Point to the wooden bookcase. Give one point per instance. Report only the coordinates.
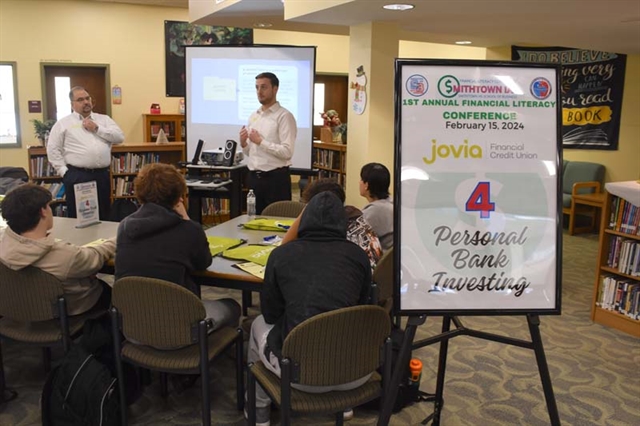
(616, 286)
(126, 161)
(331, 160)
(173, 125)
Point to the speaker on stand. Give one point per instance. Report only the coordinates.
(229, 154)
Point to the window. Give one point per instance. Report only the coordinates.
(9, 113)
(318, 104)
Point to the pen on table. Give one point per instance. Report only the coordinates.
(269, 238)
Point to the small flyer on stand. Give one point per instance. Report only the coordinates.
(87, 204)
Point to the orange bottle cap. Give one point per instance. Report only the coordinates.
(415, 365)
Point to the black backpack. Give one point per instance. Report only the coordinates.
(80, 391)
(121, 208)
(83, 390)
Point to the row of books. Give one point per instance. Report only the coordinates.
(620, 295)
(40, 167)
(338, 177)
(327, 158)
(624, 255)
(132, 163)
(625, 217)
(56, 189)
(215, 206)
(122, 186)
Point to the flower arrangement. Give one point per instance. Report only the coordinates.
(332, 120)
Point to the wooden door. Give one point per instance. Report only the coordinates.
(94, 78)
(336, 92)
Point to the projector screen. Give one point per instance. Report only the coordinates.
(221, 92)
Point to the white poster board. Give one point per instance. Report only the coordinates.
(477, 186)
(87, 208)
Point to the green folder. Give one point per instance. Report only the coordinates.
(262, 224)
(255, 253)
(219, 244)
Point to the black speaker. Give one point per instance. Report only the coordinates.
(196, 156)
(229, 154)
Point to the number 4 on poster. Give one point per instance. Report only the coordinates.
(479, 200)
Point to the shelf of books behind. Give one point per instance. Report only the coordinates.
(42, 173)
(331, 161)
(617, 288)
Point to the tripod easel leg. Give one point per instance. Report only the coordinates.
(403, 359)
(543, 368)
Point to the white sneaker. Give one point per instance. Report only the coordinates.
(348, 414)
(263, 416)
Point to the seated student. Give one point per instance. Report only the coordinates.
(26, 242)
(334, 274)
(160, 241)
(374, 186)
(358, 230)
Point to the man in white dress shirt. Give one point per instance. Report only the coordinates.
(268, 142)
(79, 148)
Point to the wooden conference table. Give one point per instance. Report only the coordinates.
(221, 272)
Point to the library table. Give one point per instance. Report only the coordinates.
(65, 229)
(221, 272)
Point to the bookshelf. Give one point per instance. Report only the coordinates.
(172, 124)
(331, 161)
(616, 295)
(126, 161)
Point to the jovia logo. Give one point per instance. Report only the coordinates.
(448, 86)
(540, 88)
(417, 85)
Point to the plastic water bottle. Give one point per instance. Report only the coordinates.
(251, 205)
(415, 373)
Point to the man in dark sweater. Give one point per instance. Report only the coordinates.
(319, 272)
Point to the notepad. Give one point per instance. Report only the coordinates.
(251, 268)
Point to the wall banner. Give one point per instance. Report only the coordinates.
(476, 189)
(592, 88)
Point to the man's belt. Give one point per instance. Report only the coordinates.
(261, 174)
(84, 169)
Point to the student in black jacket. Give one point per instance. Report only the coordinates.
(318, 272)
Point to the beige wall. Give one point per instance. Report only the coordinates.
(130, 39)
(623, 164)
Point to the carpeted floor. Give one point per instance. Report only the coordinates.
(595, 371)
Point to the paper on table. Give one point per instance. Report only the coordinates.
(252, 268)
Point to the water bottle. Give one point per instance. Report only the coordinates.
(251, 204)
(415, 373)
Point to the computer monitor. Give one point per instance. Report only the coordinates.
(196, 156)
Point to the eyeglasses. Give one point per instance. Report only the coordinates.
(88, 98)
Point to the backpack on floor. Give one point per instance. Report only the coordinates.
(80, 391)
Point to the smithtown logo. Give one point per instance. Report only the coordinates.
(457, 151)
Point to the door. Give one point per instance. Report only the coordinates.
(94, 78)
(336, 92)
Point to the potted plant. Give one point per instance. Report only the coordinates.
(42, 129)
(338, 128)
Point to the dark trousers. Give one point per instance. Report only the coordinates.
(271, 186)
(78, 175)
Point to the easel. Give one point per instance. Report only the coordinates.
(408, 345)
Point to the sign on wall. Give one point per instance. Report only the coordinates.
(592, 88)
(476, 187)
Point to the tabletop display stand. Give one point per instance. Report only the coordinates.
(616, 293)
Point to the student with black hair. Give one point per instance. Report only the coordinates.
(374, 186)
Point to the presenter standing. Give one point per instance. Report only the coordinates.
(268, 142)
(79, 148)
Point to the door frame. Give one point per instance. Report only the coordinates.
(107, 80)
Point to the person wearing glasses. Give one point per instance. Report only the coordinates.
(79, 148)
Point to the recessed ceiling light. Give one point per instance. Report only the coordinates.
(263, 25)
(463, 42)
(398, 6)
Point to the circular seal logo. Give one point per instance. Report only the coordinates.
(447, 86)
(540, 88)
(417, 85)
